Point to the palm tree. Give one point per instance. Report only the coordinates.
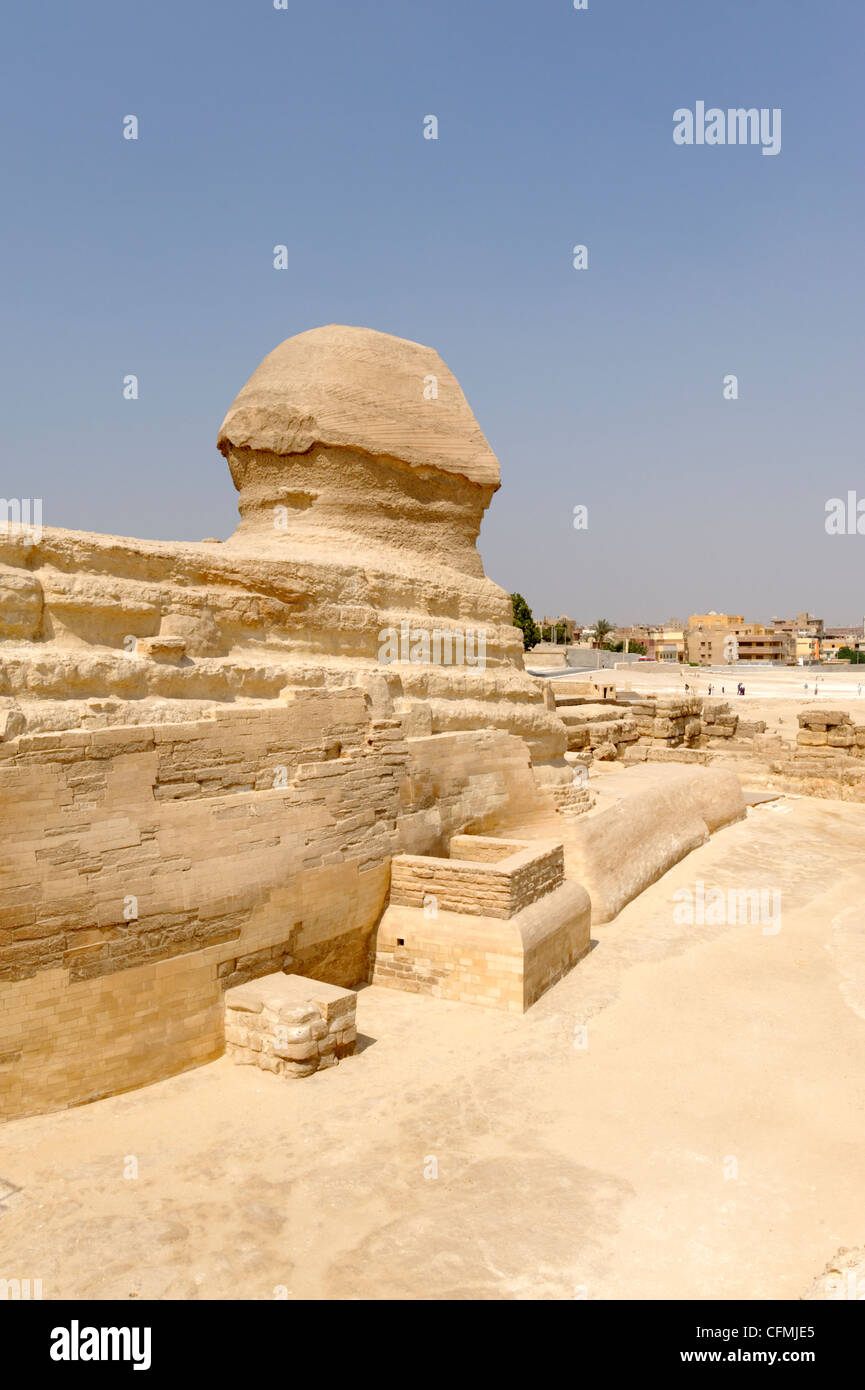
(602, 627)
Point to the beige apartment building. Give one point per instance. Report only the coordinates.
(716, 639)
(668, 643)
(806, 634)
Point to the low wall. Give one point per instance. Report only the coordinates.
(148, 868)
(622, 846)
(480, 887)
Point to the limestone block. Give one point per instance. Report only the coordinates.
(21, 604)
(608, 732)
(164, 649)
(331, 1001)
(675, 755)
(200, 630)
(751, 728)
(298, 1069)
(824, 718)
(416, 716)
(301, 1034)
(244, 999)
(841, 736)
(12, 719)
(289, 1025)
(668, 727)
(588, 713)
(606, 752)
(297, 1051)
(635, 754)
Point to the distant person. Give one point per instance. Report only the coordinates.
(711, 688)
(859, 688)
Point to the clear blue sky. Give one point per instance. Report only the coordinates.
(601, 387)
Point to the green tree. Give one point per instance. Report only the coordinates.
(525, 622)
(638, 648)
(602, 627)
(848, 654)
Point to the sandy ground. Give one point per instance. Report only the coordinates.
(709, 1141)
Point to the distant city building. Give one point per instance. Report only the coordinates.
(806, 634)
(834, 638)
(717, 639)
(668, 641)
(804, 624)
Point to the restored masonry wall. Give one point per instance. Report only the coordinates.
(149, 867)
(481, 887)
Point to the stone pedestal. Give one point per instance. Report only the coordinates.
(495, 924)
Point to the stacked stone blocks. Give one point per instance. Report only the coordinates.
(289, 1025)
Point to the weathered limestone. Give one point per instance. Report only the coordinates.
(206, 760)
(496, 924)
(628, 841)
(352, 387)
(634, 730)
(289, 1025)
(718, 720)
(149, 868)
(361, 499)
(589, 726)
(208, 765)
(828, 759)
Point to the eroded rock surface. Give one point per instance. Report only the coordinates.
(361, 499)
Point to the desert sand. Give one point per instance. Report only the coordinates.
(563, 1172)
